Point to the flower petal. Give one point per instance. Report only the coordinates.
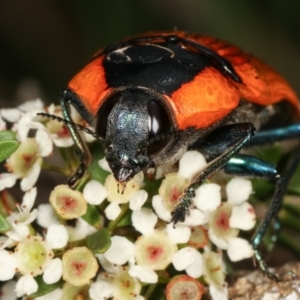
(221, 243)
(196, 269)
(46, 215)
(28, 199)
(26, 285)
(23, 128)
(114, 255)
(29, 181)
(20, 232)
(53, 271)
(195, 218)
(7, 180)
(107, 265)
(143, 274)
(138, 199)
(32, 105)
(44, 141)
(208, 197)
(62, 142)
(238, 190)
(94, 192)
(11, 115)
(8, 265)
(190, 164)
(239, 249)
(242, 216)
(160, 209)
(180, 234)
(57, 236)
(101, 290)
(112, 211)
(103, 164)
(144, 220)
(218, 294)
(184, 258)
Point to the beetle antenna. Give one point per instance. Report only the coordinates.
(76, 126)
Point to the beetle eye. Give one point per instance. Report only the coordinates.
(159, 123)
(103, 114)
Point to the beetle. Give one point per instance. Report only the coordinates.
(153, 97)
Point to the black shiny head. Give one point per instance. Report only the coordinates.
(128, 121)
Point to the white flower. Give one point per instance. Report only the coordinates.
(26, 285)
(81, 230)
(144, 220)
(8, 265)
(25, 162)
(111, 283)
(94, 192)
(7, 180)
(46, 215)
(20, 220)
(208, 197)
(28, 109)
(57, 236)
(191, 163)
(114, 255)
(34, 256)
(229, 217)
(59, 132)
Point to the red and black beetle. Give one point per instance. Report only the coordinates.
(155, 96)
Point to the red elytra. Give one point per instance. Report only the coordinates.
(209, 96)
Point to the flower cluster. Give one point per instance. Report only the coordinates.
(117, 245)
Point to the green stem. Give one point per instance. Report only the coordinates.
(149, 291)
(162, 278)
(113, 224)
(61, 170)
(69, 158)
(83, 182)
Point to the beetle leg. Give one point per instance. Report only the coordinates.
(275, 135)
(81, 147)
(239, 135)
(249, 166)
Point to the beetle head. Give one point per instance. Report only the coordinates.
(128, 121)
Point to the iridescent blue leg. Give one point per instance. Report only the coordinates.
(248, 166)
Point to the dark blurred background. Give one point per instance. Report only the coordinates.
(43, 43)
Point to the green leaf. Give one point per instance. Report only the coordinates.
(93, 217)
(8, 144)
(7, 135)
(99, 241)
(44, 288)
(7, 148)
(4, 224)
